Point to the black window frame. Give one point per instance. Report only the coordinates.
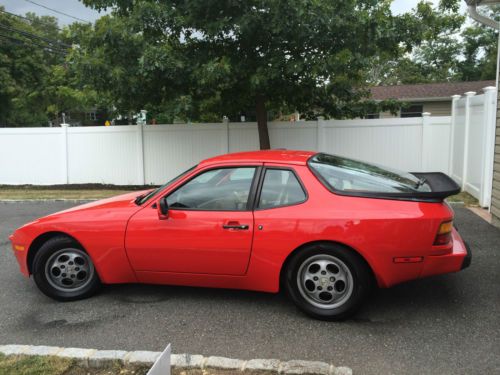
(251, 194)
(261, 183)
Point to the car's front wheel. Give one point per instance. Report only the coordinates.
(64, 271)
(327, 281)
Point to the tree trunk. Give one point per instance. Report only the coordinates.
(260, 107)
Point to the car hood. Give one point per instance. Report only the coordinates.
(119, 201)
(120, 207)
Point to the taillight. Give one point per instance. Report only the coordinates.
(443, 236)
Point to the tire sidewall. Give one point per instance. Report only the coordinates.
(359, 272)
(42, 256)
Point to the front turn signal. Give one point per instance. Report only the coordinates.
(443, 236)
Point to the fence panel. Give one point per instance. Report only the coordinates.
(130, 155)
(436, 151)
(395, 143)
(105, 155)
(475, 140)
(31, 156)
(458, 141)
(473, 137)
(171, 149)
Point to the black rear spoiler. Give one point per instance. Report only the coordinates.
(441, 185)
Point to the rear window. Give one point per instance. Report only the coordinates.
(352, 176)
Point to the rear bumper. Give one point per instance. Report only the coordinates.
(468, 258)
(459, 258)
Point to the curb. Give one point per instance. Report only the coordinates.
(102, 358)
(458, 204)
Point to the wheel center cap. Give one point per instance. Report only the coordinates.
(324, 280)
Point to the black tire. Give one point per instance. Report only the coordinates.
(355, 291)
(89, 285)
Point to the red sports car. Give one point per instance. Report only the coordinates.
(323, 227)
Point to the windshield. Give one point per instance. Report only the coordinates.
(144, 198)
(348, 175)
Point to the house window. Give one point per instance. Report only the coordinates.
(414, 110)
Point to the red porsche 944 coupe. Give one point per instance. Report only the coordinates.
(324, 228)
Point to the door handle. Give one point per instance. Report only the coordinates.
(236, 226)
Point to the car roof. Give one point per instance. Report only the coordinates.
(263, 156)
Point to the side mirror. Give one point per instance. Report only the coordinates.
(163, 209)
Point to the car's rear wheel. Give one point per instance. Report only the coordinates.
(327, 281)
(64, 271)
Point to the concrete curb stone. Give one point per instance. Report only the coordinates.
(104, 358)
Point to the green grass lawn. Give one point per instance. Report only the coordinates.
(87, 191)
(465, 197)
(47, 365)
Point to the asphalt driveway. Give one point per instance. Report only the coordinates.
(442, 325)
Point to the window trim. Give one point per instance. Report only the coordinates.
(261, 183)
(251, 193)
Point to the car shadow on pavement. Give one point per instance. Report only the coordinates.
(434, 295)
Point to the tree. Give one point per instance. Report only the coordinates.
(449, 52)
(479, 52)
(36, 82)
(227, 56)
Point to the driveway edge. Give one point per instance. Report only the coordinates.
(103, 358)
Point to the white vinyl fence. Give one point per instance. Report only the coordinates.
(152, 154)
(460, 145)
(473, 142)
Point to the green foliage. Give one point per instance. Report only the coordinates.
(203, 59)
(199, 60)
(37, 83)
(447, 52)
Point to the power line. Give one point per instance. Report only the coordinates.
(33, 36)
(23, 18)
(32, 43)
(57, 11)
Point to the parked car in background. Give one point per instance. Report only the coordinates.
(324, 228)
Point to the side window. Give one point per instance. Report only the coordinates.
(280, 188)
(225, 189)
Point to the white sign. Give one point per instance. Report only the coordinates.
(162, 364)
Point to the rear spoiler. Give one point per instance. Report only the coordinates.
(441, 185)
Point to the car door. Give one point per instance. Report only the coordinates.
(281, 220)
(208, 229)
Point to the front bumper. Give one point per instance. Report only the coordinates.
(21, 253)
(459, 258)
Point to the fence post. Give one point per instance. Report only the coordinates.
(320, 134)
(468, 96)
(454, 102)
(225, 121)
(140, 154)
(426, 123)
(488, 146)
(64, 155)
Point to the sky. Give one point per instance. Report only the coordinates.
(77, 9)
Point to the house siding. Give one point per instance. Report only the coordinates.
(442, 108)
(437, 108)
(495, 194)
